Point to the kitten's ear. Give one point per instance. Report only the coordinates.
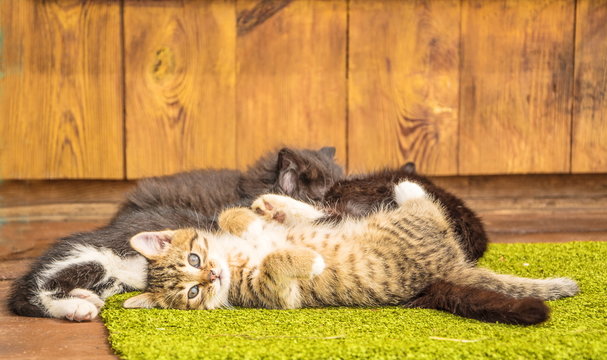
(328, 151)
(409, 167)
(141, 301)
(152, 244)
(287, 170)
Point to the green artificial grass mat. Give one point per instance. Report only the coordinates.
(577, 328)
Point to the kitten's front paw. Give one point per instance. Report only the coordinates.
(285, 210)
(236, 220)
(295, 262)
(74, 309)
(407, 190)
(88, 296)
(83, 312)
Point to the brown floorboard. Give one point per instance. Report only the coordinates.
(35, 338)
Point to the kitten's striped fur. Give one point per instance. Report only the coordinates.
(276, 257)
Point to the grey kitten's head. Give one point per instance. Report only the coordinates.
(299, 173)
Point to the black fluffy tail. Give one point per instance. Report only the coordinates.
(481, 304)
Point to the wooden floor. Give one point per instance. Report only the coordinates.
(550, 208)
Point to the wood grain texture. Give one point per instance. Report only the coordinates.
(180, 78)
(516, 86)
(403, 85)
(20, 193)
(589, 145)
(291, 85)
(60, 86)
(514, 186)
(24, 240)
(34, 214)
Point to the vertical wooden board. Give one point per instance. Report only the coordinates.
(403, 84)
(180, 77)
(291, 77)
(60, 86)
(516, 86)
(589, 153)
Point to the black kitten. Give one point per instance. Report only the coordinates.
(72, 279)
(360, 195)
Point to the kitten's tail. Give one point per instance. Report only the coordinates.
(19, 300)
(481, 304)
(514, 286)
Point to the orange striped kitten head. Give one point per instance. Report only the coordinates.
(183, 272)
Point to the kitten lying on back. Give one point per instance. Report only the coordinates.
(279, 259)
(78, 272)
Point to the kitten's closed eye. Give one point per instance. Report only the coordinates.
(305, 178)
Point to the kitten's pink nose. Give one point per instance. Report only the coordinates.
(215, 274)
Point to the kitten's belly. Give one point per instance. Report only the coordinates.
(252, 250)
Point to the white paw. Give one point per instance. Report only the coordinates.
(318, 266)
(284, 209)
(407, 190)
(73, 309)
(88, 296)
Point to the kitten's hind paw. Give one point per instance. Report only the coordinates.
(285, 210)
(270, 207)
(408, 190)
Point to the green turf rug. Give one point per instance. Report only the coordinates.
(576, 330)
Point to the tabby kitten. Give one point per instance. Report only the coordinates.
(360, 195)
(74, 277)
(277, 258)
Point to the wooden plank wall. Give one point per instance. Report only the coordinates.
(125, 89)
(589, 133)
(290, 76)
(180, 86)
(403, 84)
(516, 102)
(60, 86)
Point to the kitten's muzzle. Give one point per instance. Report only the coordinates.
(214, 274)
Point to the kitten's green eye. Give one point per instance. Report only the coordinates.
(193, 292)
(194, 260)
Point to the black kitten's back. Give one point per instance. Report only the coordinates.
(360, 195)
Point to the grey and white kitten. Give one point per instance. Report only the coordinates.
(77, 273)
